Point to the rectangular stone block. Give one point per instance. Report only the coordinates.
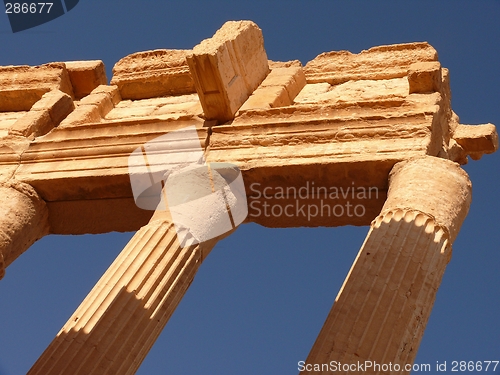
(34, 123)
(85, 76)
(228, 67)
(278, 89)
(58, 104)
(382, 62)
(83, 114)
(111, 91)
(101, 100)
(293, 79)
(23, 86)
(425, 77)
(477, 140)
(150, 74)
(267, 97)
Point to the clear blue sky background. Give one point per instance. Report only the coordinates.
(261, 297)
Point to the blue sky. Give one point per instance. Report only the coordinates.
(262, 295)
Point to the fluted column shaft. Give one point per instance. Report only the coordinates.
(383, 307)
(118, 322)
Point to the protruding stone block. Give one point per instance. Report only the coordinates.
(425, 77)
(279, 89)
(45, 114)
(34, 123)
(477, 140)
(57, 103)
(111, 91)
(23, 86)
(101, 100)
(267, 97)
(83, 114)
(293, 79)
(149, 74)
(228, 67)
(85, 76)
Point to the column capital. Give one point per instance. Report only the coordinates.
(23, 220)
(436, 187)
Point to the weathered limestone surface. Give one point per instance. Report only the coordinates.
(118, 322)
(278, 89)
(149, 74)
(382, 309)
(23, 220)
(383, 62)
(476, 140)
(44, 115)
(379, 121)
(85, 76)
(228, 67)
(22, 86)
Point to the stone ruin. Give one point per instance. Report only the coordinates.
(380, 119)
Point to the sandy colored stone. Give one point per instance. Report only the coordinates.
(101, 100)
(425, 77)
(118, 113)
(385, 302)
(119, 321)
(311, 91)
(228, 67)
(85, 76)
(57, 103)
(23, 220)
(84, 114)
(111, 91)
(151, 74)
(382, 62)
(278, 89)
(477, 140)
(23, 86)
(267, 97)
(380, 121)
(33, 123)
(292, 78)
(357, 91)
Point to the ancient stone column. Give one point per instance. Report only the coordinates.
(383, 307)
(113, 329)
(23, 220)
(118, 322)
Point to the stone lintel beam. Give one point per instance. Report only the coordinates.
(85, 76)
(383, 307)
(81, 170)
(228, 67)
(85, 167)
(23, 86)
(150, 74)
(23, 220)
